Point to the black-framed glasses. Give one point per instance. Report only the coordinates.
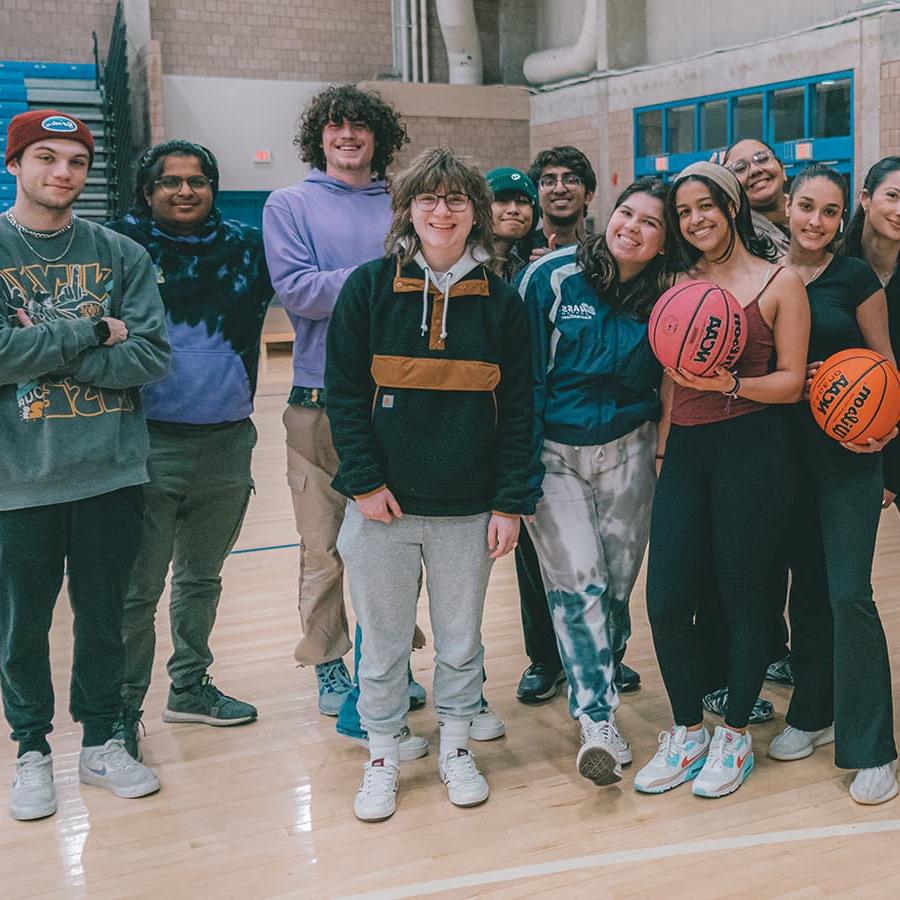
(569, 180)
(760, 158)
(171, 184)
(429, 202)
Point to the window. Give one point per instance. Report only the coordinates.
(748, 121)
(787, 109)
(650, 131)
(714, 123)
(831, 109)
(681, 129)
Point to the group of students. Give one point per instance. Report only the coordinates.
(727, 475)
(467, 360)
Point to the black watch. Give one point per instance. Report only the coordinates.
(101, 329)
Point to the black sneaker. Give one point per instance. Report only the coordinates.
(780, 672)
(127, 729)
(626, 680)
(539, 683)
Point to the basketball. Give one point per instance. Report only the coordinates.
(696, 326)
(855, 395)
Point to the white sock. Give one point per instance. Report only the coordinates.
(384, 746)
(454, 735)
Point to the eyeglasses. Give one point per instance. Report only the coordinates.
(569, 180)
(760, 158)
(171, 184)
(429, 202)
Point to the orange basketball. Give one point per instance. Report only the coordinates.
(856, 395)
(697, 326)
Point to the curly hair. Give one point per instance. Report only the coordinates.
(152, 161)
(346, 101)
(599, 268)
(438, 170)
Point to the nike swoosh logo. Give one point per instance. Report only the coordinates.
(740, 760)
(96, 771)
(687, 762)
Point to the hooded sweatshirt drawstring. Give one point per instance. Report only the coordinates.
(469, 260)
(431, 279)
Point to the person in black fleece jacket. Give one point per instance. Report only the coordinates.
(428, 395)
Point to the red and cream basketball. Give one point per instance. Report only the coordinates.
(696, 326)
(855, 395)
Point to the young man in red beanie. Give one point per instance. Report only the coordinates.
(81, 328)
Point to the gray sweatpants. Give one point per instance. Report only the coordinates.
(590, 531)
(383, 564)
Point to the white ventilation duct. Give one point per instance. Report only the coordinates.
(457, 18)
(579, 58)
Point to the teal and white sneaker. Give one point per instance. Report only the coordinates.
(678, 759)
(728, 763)
(334, 685)
(204, 702)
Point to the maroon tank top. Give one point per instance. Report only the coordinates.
(690, 407)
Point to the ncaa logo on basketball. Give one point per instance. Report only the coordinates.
(831, 393)
(709, 340)
(59, 125)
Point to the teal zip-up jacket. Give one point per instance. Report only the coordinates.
(595, 376)
(428, 389)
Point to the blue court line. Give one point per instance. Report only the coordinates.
(258, 549)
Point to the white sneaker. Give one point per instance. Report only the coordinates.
(111, 767)
(376, 799)
(793, 743)
(466, 786)
(875, 785)
(678, 759)
(728, 763)
(33, 795)
(603, 751)
(409, 746)
(487, 725)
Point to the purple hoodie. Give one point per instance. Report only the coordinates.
(316, 233)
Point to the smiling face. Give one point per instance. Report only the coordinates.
(50, 174)
(442, 232)
(702, 223)
(883, 208)
(511, 215)
(762, 180)
(814, 213)
(349, 148)
(562, 204)
(635, 233)
(180, 211)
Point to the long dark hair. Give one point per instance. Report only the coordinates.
(874, 177)
(600, 270)
(817, 170)
(740, 228)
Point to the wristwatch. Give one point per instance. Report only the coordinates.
(101, 329)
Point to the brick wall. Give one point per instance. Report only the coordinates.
(620, 138)
(485, 143)
(582, 133)
(317, 40)
(54, 30)
(890, 110)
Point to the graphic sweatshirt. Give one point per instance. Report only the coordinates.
(70, 409)
(316, 233)
(215, 287)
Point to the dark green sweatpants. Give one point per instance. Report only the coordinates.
(838, 650)
(98, 539)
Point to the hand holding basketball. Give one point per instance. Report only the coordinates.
(721, 381)
(872, 445)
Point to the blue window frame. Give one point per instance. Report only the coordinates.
(806, 120)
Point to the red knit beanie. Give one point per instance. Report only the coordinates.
(45, 124)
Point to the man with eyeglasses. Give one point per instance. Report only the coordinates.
(81, 328)
(215, 285)
(566, 183)
(762, 176)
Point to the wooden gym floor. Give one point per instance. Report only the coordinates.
(265, 810)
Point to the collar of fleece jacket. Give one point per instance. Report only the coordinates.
(216, 276)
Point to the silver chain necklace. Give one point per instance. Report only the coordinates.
(40, 235)
(20, 230)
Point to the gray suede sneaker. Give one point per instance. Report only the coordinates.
(204, 702)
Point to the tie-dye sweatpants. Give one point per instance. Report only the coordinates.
(590, 532)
